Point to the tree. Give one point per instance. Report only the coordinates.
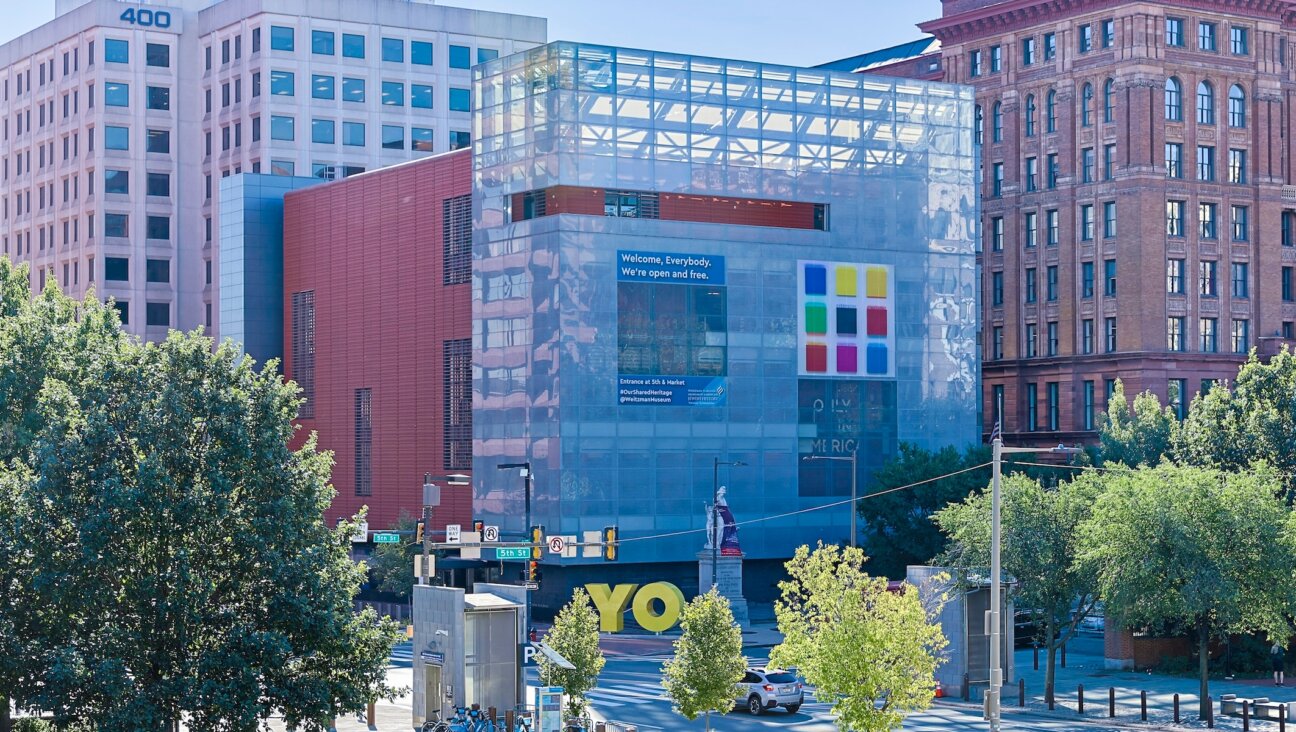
(1210, 550)
(870, 652)
(1139, 437)
(896, 528)
(708, 662)
(1041, 542)
(575, 636)
(171, 535)
(391, 567)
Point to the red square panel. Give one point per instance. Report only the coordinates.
(877, 321)
(816, 358)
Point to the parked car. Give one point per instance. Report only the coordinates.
(769, 688)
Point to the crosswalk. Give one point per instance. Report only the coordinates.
(633, 689)
(402, 654)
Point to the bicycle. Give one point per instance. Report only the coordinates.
(435, 724)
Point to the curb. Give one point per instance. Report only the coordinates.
(1106, 722)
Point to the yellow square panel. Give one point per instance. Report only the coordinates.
(847, 281)
(876, 282)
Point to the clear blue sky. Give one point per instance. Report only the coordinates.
(800, 33)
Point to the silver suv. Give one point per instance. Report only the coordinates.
(769, 688)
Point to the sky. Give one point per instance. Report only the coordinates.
(798, 33)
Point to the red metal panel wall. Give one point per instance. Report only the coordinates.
(371, 249)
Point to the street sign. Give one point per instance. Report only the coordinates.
(386, 538)
(557, 544)
(593, 541)
(531, 585)
(418, 566)
(362, 533)
(490, 533)
(471, 545)
(452, 533)
(512, 552)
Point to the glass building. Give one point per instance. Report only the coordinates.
(678, 260)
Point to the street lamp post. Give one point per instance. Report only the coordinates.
(854, 504)
(715, 512)
(525, 469)
(996, 627)
(432, 499)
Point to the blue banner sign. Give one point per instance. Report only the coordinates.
(672, 391)
(681, 269)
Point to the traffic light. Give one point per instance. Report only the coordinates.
(479, 526)
(418, 532)
(610, 543)
(533, 571)
(537, 541)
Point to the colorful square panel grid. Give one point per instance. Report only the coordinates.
(846, 318)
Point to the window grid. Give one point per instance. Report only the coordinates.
(303, 350)
(456, 234)
(457, 416)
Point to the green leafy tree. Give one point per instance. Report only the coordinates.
(391, 567)
(575, 636)
(1209, 550)
(708, 662)
(171, 535)
(1141, 436)
(895, 529)
(1041, 543)
(869, 652)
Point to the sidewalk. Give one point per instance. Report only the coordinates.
(1097, 680)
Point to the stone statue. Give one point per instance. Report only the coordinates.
(722, 533)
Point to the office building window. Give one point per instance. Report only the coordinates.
(157, 314)
(997, 403)
(1032, 165)
(1087, 411)
(1108, 33)
(116, 269)
(1110, 334)
(281, 38)
(282, 128)
(1109, 219)
(1237, 166)
(1237, 107)
(393, 50)
(1175, 32)
(1175, 333)
(1031, 294)
(1240, 271)
(1206, 36)
(322, 42)
(1205, 162)
(1032, 339)
(1086, 279)
(1109, 162)
(115, 138)
(364, 442)
(1241, 336)
(974, 63)
(1206, 217)
(116, 51)
(1053, 171)
(1030, 115)
(353, 134)
(1053, 399)
(460, 100)
(996, 179)
(393, 137)
(997, 288)
(978, 125)
(1109, 101)
(1205, 103)
(1051, 283)
(393, 93)
(1087, 165)
(997, 343)
(420, 53)
(1241, 225)
(116, 225)
(1051, 343)
(1287, 284)
(1054, 227)
(323, 131)
(1032, 407)
(1050, 46)
(353, 45)
(158, 227)
(1238, 41)
(1175, 276)
(159, 184)
(1173, 100)
(1085, 37)
(157, 55)
(1208, 331)
(996, 59)
(283, 83)
(1288, 228)
(1030, 228)
(157, 270)
(1175, 218)
(116, 94)
(159, 98)
(1086, 105)
(1087, 336)
(158, 141)
(421, 139)
(1206, 284)
(322, 87)
(1177, 397)
(1028, 51)
(996, 122)
(421, 96)
(1086, 222)
(1050, 112)
(1109, 277)
(353, 90)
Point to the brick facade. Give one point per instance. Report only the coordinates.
(1129, 57)
(372, 251)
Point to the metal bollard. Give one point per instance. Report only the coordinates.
(509, 720)
(490, 714)
(1246, 716)
(1111, 701)
(1079, 698)
(1210, 713)
(967, 691)
(1021, 692)
(371, 716)
(1035, 653)
(1176, 708)
(1282, 718)
(1143, 705)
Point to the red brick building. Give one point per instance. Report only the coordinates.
(378, 331)
(1137, 207)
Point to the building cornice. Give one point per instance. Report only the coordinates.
(1017, 14)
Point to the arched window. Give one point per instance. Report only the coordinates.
(1050, 112)
(1086, 106)
(1173, 100)
(1237, 106)
(996, 133)
(1205, 103)
(979, 125)
(1109, 101)
(1030, 115)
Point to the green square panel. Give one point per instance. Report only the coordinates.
(816, 318)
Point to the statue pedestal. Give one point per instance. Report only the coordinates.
(728, 581)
